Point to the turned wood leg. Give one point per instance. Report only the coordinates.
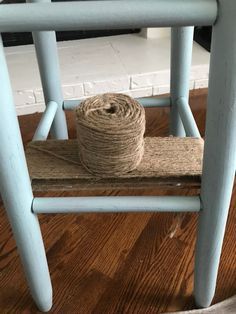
(17, 196)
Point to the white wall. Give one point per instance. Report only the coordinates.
(155, 32)
(129, 64)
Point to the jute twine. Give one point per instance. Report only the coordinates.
(110, 129)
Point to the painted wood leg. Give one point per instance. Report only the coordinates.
(47, 56)
(181, 56)
(17, 196)
(219, 153)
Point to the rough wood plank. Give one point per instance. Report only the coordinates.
(167, 161)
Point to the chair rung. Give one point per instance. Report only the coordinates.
(46, 121)
(146, 102)
(187, 118)
(104, 204)
(104, 15)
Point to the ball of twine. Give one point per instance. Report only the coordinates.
(110, 129)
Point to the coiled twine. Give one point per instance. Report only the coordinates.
(110, 130)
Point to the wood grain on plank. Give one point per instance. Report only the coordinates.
(167, 161)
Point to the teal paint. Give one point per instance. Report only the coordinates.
(146, 102)
(187, 118)
(181, 57)
(47, 57)
(17, 196)
(87, 15)
(155, 102)
(116, 204)
(46, 121)
(219, 153)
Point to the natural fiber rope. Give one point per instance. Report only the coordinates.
(110, 129)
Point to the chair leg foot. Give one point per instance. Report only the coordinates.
(44, 301)
(201, 300)
(30, 245)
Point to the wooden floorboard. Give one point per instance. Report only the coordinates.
(117, 263)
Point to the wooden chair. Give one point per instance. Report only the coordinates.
(18, 181)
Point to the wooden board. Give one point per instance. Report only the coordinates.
(167, 161)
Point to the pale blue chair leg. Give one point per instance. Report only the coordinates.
(17, 196)
(46, 50)
(219, 154)
(181, 56)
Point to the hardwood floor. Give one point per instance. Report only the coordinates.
(117, 263)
